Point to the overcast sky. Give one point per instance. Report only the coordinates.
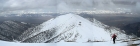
(62, 5)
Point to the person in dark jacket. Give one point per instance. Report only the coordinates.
(114, 37)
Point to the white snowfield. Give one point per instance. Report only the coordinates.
(74, 28)
(109, 43)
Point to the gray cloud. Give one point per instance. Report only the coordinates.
(28, 4)
(64, 5)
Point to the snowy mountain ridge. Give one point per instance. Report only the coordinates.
(69, 27)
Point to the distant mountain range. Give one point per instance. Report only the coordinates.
(26, 32)
(68, 28)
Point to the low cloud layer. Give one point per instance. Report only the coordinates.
(66, 5)
(27, 4)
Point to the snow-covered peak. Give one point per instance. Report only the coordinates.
(70, 27)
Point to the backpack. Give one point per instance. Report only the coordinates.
(114, 36)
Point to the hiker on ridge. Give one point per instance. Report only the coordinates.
(114, 37)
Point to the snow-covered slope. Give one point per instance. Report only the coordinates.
(70, 28)
(109, 43)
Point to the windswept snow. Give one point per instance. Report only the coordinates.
(5, 43)
(70, 28)
(109, 43)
